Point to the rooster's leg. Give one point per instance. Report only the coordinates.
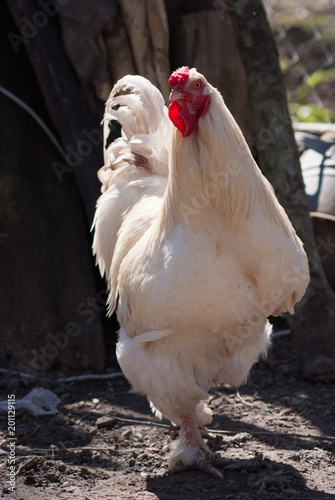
(190, 450)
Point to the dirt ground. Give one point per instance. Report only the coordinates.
(277, 438)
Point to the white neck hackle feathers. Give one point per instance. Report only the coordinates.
(213, 178)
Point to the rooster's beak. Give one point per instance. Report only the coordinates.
(175, 95)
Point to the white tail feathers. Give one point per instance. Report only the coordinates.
(134, 176)
(140, 109)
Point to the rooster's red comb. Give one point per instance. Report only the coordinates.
(178, 78)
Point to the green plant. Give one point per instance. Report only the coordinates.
(310, 113)
(313, 80)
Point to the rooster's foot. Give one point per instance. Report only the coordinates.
(203, 461)
(190, 450)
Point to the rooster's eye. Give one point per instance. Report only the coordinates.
(197, 85)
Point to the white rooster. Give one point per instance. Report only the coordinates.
(196, 249)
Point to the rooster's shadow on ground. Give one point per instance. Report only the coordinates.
(237, 480)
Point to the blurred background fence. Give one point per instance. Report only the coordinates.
(305, 36)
